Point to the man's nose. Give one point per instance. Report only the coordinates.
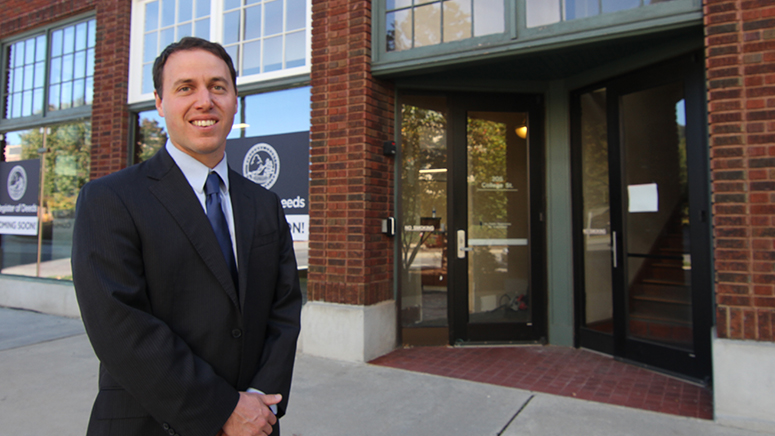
(204, 99)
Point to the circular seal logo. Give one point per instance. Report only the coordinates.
(17, 183)
(261, 165)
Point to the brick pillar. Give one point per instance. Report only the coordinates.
(740, 47)
(351, 181)
(110, 115)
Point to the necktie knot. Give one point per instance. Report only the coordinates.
(213, 183)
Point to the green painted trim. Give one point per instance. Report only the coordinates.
(518, 40)
(559, 225)
(605, 22)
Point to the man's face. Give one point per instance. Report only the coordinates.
(198, 104)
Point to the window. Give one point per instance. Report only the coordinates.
(268, 36)
(47, 80)
(62, 170)
(166, 22)
(266, 39)
(543, 12)
(30, 90)
(427, 22)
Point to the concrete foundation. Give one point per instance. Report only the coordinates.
(346, 332)
(54, 297)
(744, 384)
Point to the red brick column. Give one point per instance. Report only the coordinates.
(110, 115)
(351, 181)
(740, 46)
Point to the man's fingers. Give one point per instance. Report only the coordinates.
(270, 400)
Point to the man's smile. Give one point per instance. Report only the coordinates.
(203, 123)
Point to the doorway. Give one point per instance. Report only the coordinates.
(471, 225)
(642, 234)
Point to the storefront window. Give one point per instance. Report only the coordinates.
(61, 154)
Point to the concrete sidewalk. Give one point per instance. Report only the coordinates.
(49, 379)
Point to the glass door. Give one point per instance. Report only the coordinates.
(470, 253)
(498, 239)
(642, 234)
(423, 221)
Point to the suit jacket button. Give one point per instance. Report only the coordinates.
(236, 333)
(166, 426)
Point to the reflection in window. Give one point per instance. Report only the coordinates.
(423, 258)
(262, 37)
(69, 78)
(598, 310)
(167, 21)
(434, 22)
(544, 12)
(273, 113)
(150, 135)
(66, 167)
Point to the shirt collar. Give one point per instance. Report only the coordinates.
(196, 172)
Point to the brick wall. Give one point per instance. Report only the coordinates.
(110, 116)
(351, 182)
(740, 47)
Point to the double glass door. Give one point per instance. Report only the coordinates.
(470, 246)
(642, 227)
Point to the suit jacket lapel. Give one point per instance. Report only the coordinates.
(244, 225)
(175, 194)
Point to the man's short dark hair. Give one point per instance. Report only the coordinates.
(190, 43)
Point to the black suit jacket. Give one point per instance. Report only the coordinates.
(175, 339)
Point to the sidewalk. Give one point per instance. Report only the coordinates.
(49, 379)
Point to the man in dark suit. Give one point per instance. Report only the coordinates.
(189, 290)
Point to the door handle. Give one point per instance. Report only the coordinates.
(613, 248)
(461, 244)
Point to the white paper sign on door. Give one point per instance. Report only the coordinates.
(643, 198)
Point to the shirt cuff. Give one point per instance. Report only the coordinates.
(273, 407)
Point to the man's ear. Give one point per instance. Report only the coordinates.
(158, 103)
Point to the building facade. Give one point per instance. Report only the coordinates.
(581, 173)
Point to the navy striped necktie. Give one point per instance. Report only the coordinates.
(218, 221)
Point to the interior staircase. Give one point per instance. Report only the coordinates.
(660, 295)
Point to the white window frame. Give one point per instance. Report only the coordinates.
(134, 92)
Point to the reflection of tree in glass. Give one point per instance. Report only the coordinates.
(403, 32)
(486, 162)
(67, 164)
(423, 144)
(150, 138)
(594, 142)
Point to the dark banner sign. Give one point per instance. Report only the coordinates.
(20, 182)
(279, 163)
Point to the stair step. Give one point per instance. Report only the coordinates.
(659, 318)
(669, 299)
(664, 282)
